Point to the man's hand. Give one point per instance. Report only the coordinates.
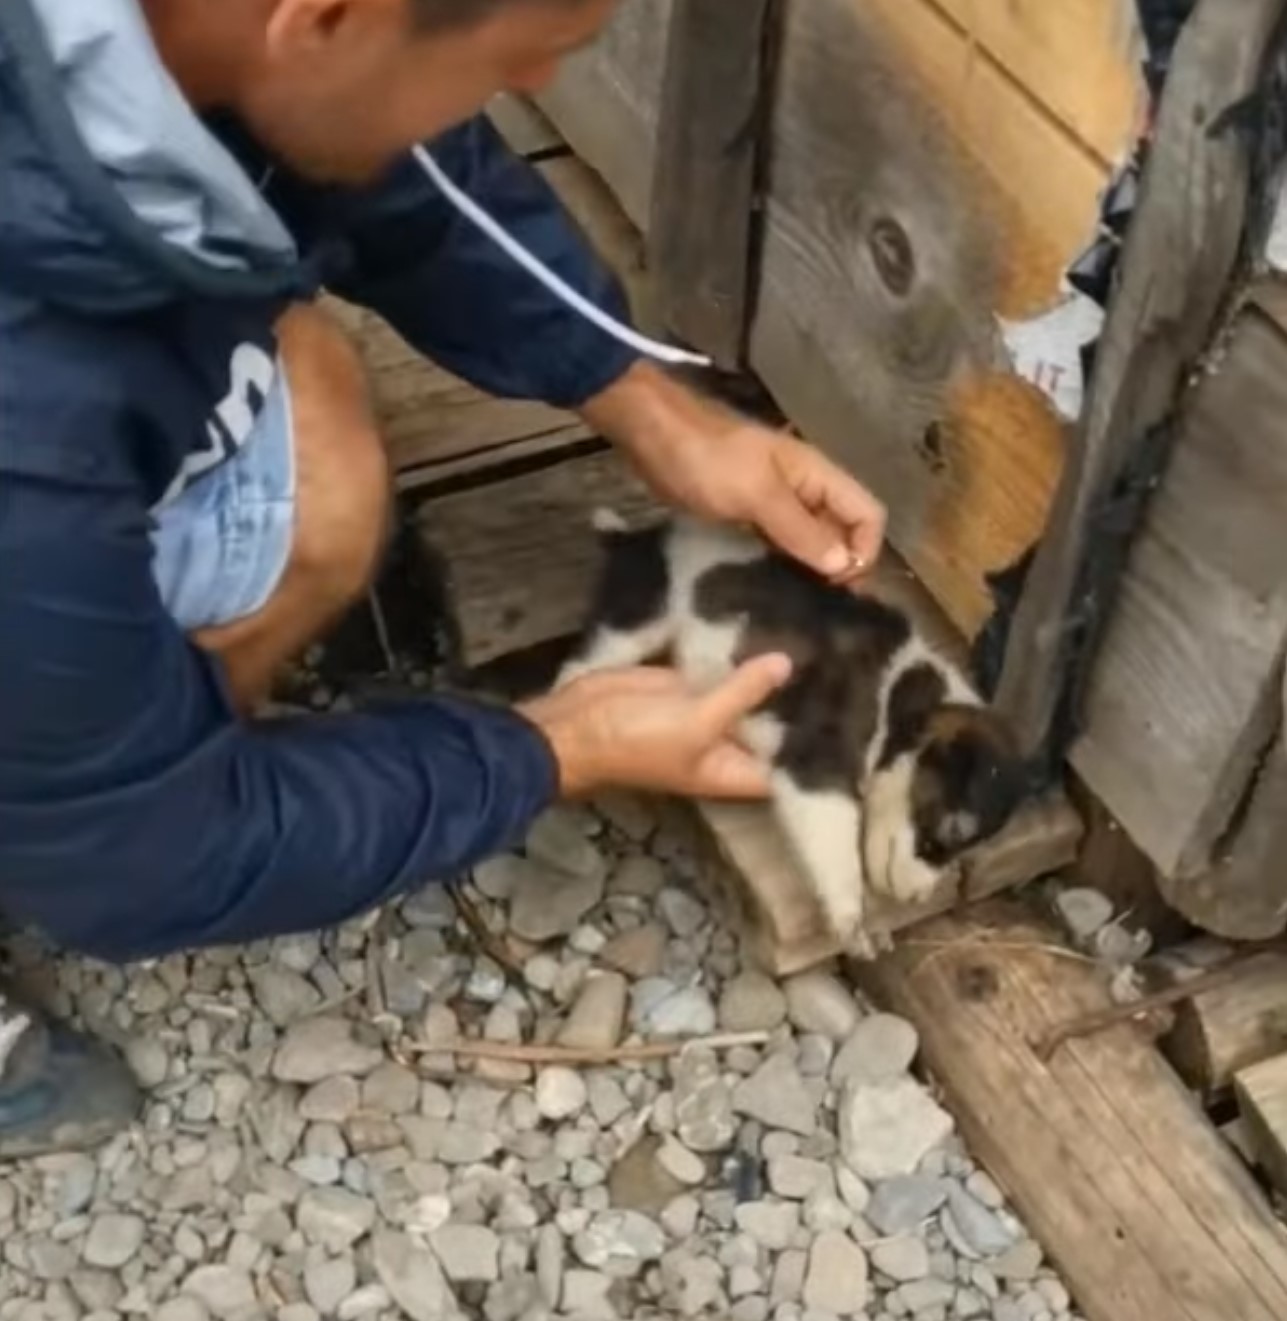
(701, 457)
(643, 728)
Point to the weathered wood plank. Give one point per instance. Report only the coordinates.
(1262, 1103)
(520, 557)
(1178, 259)
(523, 126)
(708, 151)
(1227, 1029)
(1144, 1209)
(1186, 691)
(786, 930)
(914, 193)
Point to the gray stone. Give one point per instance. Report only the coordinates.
(549, 1265)
(881, 1047)
(981, 1228)
(560, 1093)
(608, 1102)
(901, 1205)
(680, 1163)
(431, 908)
(598, 1017)
(585, 1296)
(1083, 911)
(921, 1296)
(1020, 1262)
(777, 1096)
(704, 1116)
(901, 1259)
(224, 1290)
(773, 1225)
(627, 812)
(824, 1211)
(661, 1009)
(886, 1128)
(298, 1312)
(749, 1309)
(327, 1283)
(751, 1002)
(282, 994)
(413, 1277)
(679, 1219)
(559, 838)
(149, 1060)
(814, 1054)
(552, 905)
(968, 1304)
(983, 1188)
(70, 1181)
(501, 877)
(638, 953)
(836, 1280)
(795, 1177)
(691, 1284)
(639, 1182)
(789, 1271)
(683, 914)
(1054, 1295)
(853, 1192)
(176, 1309)
(113, 1240)
(619, 1243)
(391, 1089)
(335, 1217)
(317, 1048)
(468, 1253)
(818, 1002)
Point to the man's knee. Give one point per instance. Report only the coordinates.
(344, 491)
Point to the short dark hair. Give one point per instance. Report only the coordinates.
(437, 14)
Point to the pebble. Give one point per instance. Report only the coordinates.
(113, 1240)
(681, 1164)
(639, 953)
(468, 1253)
(327, 1283)
(283, 994)
(559, 838)
(797, 1178)
(901, 1205)
(552, 905)
(585, 1295)
(981, 1228)
(983, 1189)
(836, 1280)
(683, 914)
(901, 1259)
(598, 1017)
(773, 1225)
(751, 1002)
(1054, 1295)
(921, 1296)
(549, 1265)
(704, 1116)
(501, 877)
(224, 1290)
(1083, 912)
(177, 1309)
(661, 1009)
(335, 1218)
(691, 1285)
(886, 1128)
(777, 1096)
(413, 1277)
(680, 1216)
(608, 1100)
(317, 1048)
(639, 1182)
(561, 1093)
(1020, 1262)
(880, 1048)
(639, 876)
(619, 1243)
(818, 1002)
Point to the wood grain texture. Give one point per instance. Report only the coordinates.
(1231, 1027)
(1186, 691)
(889, 134)
(1262, 1104)
(520, 556)
(708, 154)
(1146, 1212)
(1178, 260)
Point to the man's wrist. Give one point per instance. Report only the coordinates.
(572, 770)
(644, 407)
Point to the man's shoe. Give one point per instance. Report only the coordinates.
(59, 1091)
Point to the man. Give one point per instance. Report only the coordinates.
(192, 487)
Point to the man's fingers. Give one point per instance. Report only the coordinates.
(745, 689)
(791, 525)
(727, 771)
(842, 502)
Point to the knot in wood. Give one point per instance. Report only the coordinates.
(977, 982)
(891, 251)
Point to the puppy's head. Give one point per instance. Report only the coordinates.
(948, 778)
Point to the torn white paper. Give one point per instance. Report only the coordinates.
(1047, 349)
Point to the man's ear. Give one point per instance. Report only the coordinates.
(307, 27)
(917, 693)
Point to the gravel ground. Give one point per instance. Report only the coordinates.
(306, 1154)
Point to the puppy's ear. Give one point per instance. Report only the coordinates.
(916, 695)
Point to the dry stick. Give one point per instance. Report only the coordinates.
(577, 1055)
(1097, 1021)
(490, 944)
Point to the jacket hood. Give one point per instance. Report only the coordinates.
(114, 196)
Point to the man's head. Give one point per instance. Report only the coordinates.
(340, 88)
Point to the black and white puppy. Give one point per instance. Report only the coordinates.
(885, 765)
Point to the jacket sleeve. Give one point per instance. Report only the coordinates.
(138, 816)
(462, 301)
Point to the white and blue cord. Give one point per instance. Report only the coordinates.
(555, 284)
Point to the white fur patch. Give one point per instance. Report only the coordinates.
(616, 649)
(824, 830)
(889, 835)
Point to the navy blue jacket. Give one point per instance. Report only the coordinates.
(138, 815)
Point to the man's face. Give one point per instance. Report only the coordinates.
(341, 88)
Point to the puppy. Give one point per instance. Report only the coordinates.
(885, 766)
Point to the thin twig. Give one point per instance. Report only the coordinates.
(1012, 946)
(518, 1053)
(1097, 1021)
(488, 941)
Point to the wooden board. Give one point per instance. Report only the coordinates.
(1262, 1103)
(1231, 1027)
(891, 137)
(786, 929)
(1186, 691)
(1175, 271)
(523, 127)
(708, 160)
(520, 556)
(1146, 1212)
